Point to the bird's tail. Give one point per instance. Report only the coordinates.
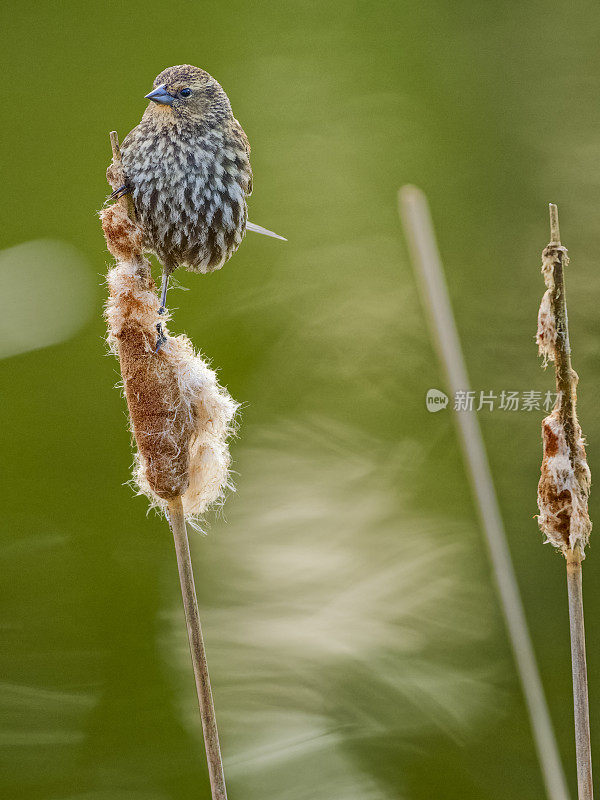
(250, 226)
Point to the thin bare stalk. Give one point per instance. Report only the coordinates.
(416, 219)
(126, 200)
(580, 686)
(566, 379)
(192, 618)
(566, 386)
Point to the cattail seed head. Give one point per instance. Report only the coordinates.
(546, 330)
(181, 417)
(564, 487)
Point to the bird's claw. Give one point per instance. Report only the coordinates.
(161, 335)
(162, 339)
(120, 192)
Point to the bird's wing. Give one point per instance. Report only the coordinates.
(250, 226)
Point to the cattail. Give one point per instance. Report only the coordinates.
(181, 419)
(564, 486)
(546, 330)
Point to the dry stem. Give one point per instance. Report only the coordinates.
(580, 686)
(126, 200)
(566, 378)
(192, 618)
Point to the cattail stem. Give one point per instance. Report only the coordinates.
(566, 379)
(564, 487)
(192, 618)
(580, 688)
(126, 200)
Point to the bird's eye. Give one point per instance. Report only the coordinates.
(185, 92)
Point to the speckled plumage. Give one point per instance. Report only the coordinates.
(188, 168)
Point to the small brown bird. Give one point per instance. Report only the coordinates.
(187, 166)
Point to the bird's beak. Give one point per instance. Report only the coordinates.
(161, 96)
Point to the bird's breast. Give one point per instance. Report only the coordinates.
(190, 198)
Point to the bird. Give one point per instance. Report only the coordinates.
(187, 168)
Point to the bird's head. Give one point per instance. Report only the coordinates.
(189, 93)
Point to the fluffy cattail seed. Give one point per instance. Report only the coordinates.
(546, 330)
(563, 488)
(564, 485)
(180, 415)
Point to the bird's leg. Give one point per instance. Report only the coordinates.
(163, 307)
(164, 287)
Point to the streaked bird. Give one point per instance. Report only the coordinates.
(187, 167)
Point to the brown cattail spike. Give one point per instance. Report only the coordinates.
(564, 485)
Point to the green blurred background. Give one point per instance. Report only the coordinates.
(354, 637)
